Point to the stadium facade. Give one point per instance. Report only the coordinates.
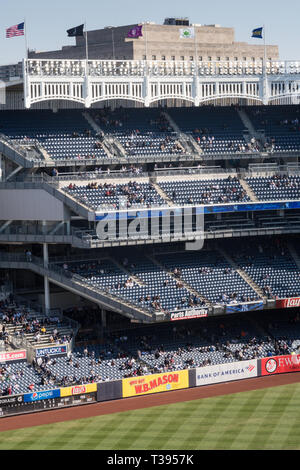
(211, 43)
(117, 216)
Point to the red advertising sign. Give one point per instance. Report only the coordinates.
(12, 356)
(288, 303)
(280, 364)
(78, 389)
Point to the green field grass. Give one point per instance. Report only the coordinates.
(266, 419)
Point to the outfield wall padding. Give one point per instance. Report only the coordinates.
(192, 378)
(109, 390)
(142, 385)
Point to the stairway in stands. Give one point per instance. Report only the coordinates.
(188, 143)
(111, 146)
(185, 284)
(242, 273)
(260, 138)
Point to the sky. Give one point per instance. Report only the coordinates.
(47, 21)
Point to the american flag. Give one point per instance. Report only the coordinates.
(16, 30)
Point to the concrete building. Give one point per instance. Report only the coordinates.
(163, 42)
(11, 72)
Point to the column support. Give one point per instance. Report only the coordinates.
(146, 91)
(46, 279)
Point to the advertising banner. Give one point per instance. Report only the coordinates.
(244, 307)
(43, 395)
(226, 372)
(78, 389)
(51, 351)
(246, 207)
(240, 207)
(155, 383)
(13, 356)
(288, 303)
(280, 364)
(10, 400)
(15, 405)
(189, 314)
(75, 400)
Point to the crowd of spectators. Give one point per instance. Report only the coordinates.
(115, 195)
(120, 117)
(9, 380)
(150, 349)
(209, 142)
(20, 321)
(283, 181)
(154, 133)
(135, 141)
(215, 191)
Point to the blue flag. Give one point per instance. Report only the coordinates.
(257, 33)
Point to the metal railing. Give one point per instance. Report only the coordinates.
(141, 68)
(57, 273)
(263, 168)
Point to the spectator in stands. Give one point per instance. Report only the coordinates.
(28, 255)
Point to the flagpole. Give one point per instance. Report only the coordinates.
(25, 38)
(113, 42)
(86, 44)
(146, 45)
(196, 48)
(265, 51)
(265, 69)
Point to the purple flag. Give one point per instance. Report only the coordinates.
(135, 32)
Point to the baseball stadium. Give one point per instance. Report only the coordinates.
(149, 242)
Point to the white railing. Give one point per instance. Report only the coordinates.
(146, 82)
(142, 68)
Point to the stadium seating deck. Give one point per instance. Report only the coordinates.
(183, 191)
(280, 124)
(64, 135)
(270, 265)
(209, 273)
(148, 349)
(164, 278)
(217, 131)
(144, 283)
(206, 191)
(116, 196)
(141, 132)
(276, 187)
